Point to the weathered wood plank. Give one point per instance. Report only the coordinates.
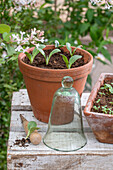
(92, 146)
(16, 125)
(61, 162)
(20, 100)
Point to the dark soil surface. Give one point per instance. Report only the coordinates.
(104, 100)
(56, 61)
(22, 142)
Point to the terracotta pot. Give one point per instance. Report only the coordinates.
(41, 83)
(100, 123)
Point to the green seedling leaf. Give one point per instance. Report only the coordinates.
(65, 60)
(111, 103)
(29, 56)
(98, 101)
(53, 52)
(31, 127)
(111, 91)
(68, 45)
(4, 28)
(42, 52)
(108, 86)
(31, 124)
(42, 46)
(35, 52)
(95, 107)
(79, 46)
(73, 59)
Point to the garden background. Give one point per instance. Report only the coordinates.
(74, 21)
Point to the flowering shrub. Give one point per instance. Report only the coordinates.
(12, 43)
(24, 4)
(108, 3)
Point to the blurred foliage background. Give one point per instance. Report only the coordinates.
(67, 22)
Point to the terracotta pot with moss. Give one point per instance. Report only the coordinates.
(41, 83)
(99, 109)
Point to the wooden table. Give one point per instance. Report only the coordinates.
(94, 156)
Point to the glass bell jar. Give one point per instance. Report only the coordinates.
(65, 127)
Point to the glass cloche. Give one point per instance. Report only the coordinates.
(65, 127)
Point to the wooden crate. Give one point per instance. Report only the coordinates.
(94, 156)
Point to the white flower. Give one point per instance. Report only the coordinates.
(46, 40)
(18, 8)
(75, 42)
(107, 6)
(37, 45)
(56, 43)
(4, 54)
(42, 40)
(19, 48)
(24, 50)
(33, 31)
(22, 33)
(14, 36)
(2, 44)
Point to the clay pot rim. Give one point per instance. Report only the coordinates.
(22, 55)
(87, 109)
(87, 113)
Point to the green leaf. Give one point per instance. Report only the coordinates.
(90, 14)
(29, 56)
(68, 45)
(84, 27)
(106, 54)
(93, 32)
(42, 46)
(107, 32)
(79, 46)
(47, 60)
(73, 59)
(102, 43)
(42, 52)
(65, 60)
(111, 91)
(35, 52)
(53, 52)
(33, 129)
(4, 28)
(31, 124)
(10, 50)
(5, 36)
(103, 62)
(108, 86)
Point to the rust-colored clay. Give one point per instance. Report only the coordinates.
(41, 83)
(101, 124)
